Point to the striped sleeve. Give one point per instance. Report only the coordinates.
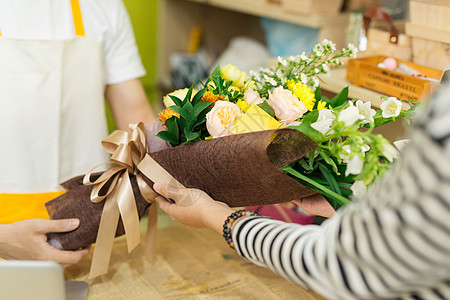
(392, 243)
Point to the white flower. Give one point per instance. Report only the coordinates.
(304, 78)
(326, 69)
(358, 188)
(349, 115)
(318, 50)
(329, 44)
(286, 106)
(348, 149)
(315, 82)
(324, 121)
(253, 73)
(391, 107)
(353, 50)
(273, 82)
(389, 152)
(365, 111)
(303, 56)
(354, 166)
(223, 115)
(282, 60)
(316, 70)
(400, 144)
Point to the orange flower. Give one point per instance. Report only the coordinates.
(167, 114)
(209, 96)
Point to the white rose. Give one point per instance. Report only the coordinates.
(286, 106)
(223, 115)
(252, 97)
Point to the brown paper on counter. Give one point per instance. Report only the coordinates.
(242, 169)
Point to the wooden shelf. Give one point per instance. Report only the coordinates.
(261, 8)
(337, 81)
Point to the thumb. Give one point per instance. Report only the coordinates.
(47, 226)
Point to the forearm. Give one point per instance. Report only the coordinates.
(393, 243)
(129, 103)
(4, 237)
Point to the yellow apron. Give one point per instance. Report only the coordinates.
(52, 107)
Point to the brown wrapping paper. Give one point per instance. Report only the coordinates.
(243, 169)
(76, 203)
(240, 170)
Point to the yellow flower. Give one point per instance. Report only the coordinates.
(321, 105)
(167, 114)
(230, 72)
(244, 106)
(303, 93)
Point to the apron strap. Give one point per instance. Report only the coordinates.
(77, 19)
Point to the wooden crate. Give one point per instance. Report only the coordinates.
(430, 31)
(362, 4)
(365, 72)
(319, 7)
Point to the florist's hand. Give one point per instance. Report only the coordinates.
(27, 240)
(192, 207)
(316, 205)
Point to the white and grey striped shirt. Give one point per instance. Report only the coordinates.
(392, 243)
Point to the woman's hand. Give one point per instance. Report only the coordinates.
(316, 205)
(192, 207)
(27, 240)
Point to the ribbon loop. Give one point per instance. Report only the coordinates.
(114, 187)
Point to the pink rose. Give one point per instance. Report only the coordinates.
(252, 97)
(287, 107)
(223, 115)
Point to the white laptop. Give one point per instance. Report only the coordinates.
(24, 280)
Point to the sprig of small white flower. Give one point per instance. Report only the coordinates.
(301, 68)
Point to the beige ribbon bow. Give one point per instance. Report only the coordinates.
(128, 150)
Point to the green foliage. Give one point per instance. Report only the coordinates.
(192, 113)
(219, 86)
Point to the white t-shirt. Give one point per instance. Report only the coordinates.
(105, 21)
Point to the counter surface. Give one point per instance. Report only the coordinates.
(189, 264)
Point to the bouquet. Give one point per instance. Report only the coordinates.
(267, 138)
(347, 155)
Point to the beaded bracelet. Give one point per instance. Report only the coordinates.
(230, 220)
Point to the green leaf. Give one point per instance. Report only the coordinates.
(176, 109)
(187, 112)
(329, 178)
(267, 108)
(341, 200)
(340, 98)
(305, 127)
(172, 127)
(200, 106)
(198, 96)
(329, 161)
(176, 100)
(187, 98)
(317, 95)
(167, 136)
(190, 136)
